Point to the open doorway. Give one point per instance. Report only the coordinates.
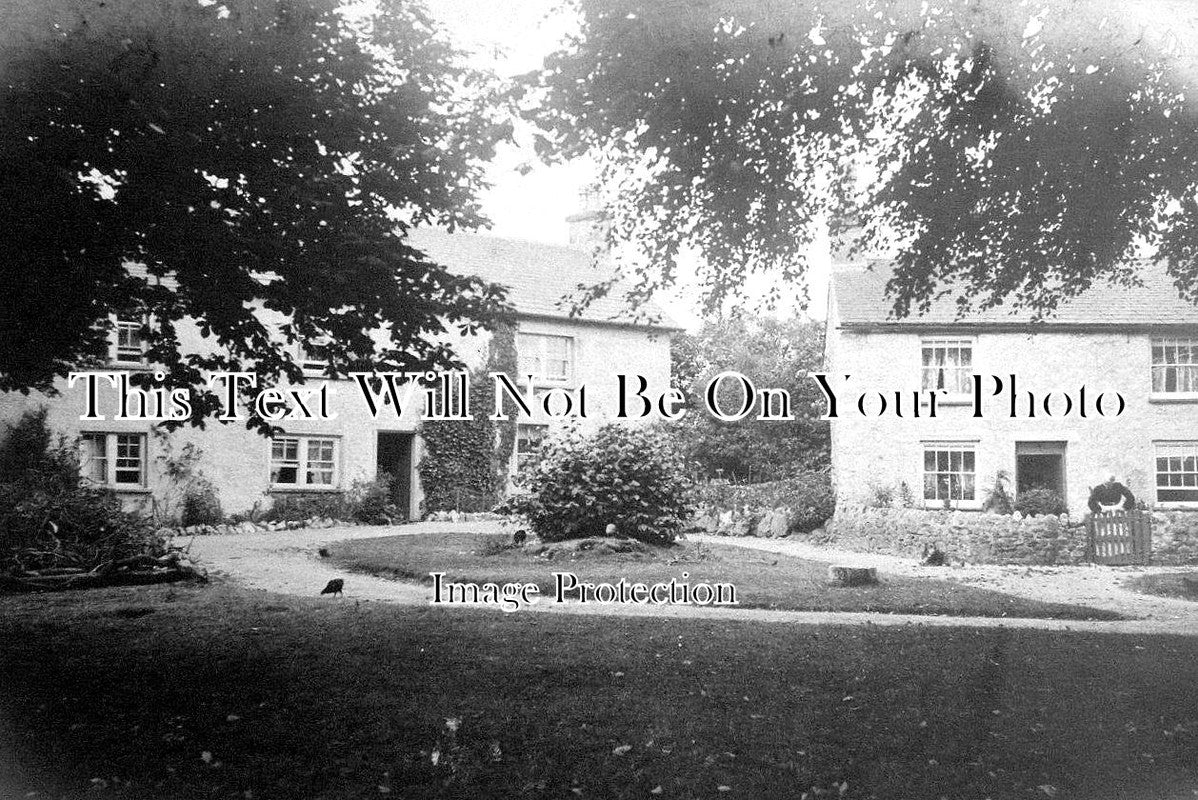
(1040, 465)
(394, 458)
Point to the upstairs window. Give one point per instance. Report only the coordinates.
(1177, 472)
(1175, 366)
(313, 356)
(114, 460)
(303, 461)
(549, 358)
(949, 473)
(127, 345)
(948, 365)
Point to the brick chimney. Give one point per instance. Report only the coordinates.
(587, 224)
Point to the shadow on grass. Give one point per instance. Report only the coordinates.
(221, 692)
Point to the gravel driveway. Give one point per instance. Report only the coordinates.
(287, 562)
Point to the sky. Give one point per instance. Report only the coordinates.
(512, 37)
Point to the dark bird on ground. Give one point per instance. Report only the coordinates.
(324, 552)
(334, 587)
(933, 558)
(519, 536)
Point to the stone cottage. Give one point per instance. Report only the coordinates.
(1031, 411)
(248, 469)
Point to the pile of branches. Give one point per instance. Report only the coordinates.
(174, 565)
(58, 532)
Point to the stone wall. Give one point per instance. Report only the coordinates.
(744, 521)
(1175, 537)
(995, 538)
(969, 537)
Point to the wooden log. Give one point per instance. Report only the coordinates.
(840, 575)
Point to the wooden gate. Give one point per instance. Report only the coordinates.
(1120, 537)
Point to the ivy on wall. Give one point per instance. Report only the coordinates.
(502, 358)
(465, 462)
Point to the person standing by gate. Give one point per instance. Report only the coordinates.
(1111, 496)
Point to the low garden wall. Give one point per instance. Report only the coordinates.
(979, 538)
(1175, 537)
(963, 536)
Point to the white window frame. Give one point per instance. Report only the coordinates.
(1180, 472)
(302, 462)
(114, 443)
(312, 366)
(532, 354)
(932, 375)
(949, 448)
(523, 456)
(122, 323)
(1176, 357)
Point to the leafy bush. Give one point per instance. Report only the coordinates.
(809, 498)
(998, 499)
(25, 446)
(371, 501)
(1033, 502)
(297, 507)
(201, 505)
(48, 520)
(631, 477)
(879, 495)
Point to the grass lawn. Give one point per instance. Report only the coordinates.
(1183, 585)
(214, 692)
(762, 580)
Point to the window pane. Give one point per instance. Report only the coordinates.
(130, 456)
(93, 458)
(284, 461)
(321, 464)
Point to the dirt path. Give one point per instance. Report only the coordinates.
(288, 563)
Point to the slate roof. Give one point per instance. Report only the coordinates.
(861, 302)
(538, 276)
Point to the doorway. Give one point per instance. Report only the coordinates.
(394, 458)
(1040, 465)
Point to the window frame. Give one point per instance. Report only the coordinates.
(949, 447)
(312, 366)
(960, 344)
(125, 322)
(112, 458)
(523, 457)
(303, 461)
(1188, 449)
(1163, 343)
(542, 357)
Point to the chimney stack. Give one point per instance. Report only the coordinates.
(586, 225)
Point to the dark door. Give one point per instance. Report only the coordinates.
(395, 459)
(1040, 465)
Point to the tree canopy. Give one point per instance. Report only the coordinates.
(1005, 152)
(775, 354)
(229, 165)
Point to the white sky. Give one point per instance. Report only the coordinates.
(512, 36)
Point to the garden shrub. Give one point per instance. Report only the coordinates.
(26, 444)
(201, 505)
(998, 499)
(631, 477)
(371, 502)
(47, 519)
(1034, 502)
(301, 506)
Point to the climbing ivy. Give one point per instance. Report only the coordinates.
(465, 462)
(502, 358)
